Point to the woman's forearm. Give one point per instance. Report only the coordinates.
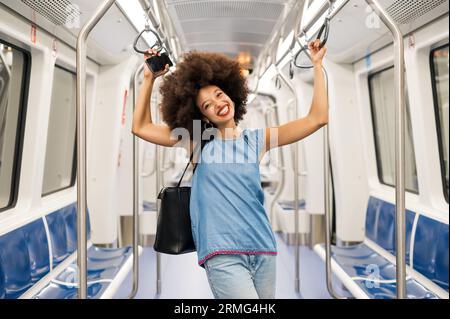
(319, 105)
(142, 115)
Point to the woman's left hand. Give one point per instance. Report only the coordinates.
(316, 53)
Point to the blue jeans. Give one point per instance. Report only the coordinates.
(242, 276)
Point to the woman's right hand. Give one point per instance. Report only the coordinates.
(148, 74)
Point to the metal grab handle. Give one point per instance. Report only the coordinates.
(147, 7)
(81, 145)
(304, 48)
(158, 43)
(400, 104)
(324, 28)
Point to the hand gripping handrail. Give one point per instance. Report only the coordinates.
(157, 25)
(81, 145)
(400, 107)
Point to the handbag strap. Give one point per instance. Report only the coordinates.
(202, 144)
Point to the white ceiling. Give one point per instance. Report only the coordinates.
(110, 40)
(227, 26)
(354, 33)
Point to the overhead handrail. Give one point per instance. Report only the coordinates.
(323, 9)
(326, 5)
(324, 30)
(81, 145)
(400, 106)
(157, 25)
(135, 232)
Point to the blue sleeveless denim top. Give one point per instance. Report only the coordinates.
(227, 200)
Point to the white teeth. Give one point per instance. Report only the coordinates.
(224, 110)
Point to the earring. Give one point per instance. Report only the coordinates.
(206, 127)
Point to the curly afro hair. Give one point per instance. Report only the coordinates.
(196, 70)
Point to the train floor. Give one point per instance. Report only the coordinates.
(182, 278)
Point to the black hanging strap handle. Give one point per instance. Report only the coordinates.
(324, 28)
(325, 31)
(156, 63)
(158, 44)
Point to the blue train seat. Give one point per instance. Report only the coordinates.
(431, 250)
(24, 258)
(373, 272)
(29, 260)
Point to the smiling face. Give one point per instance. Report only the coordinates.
(215, 105)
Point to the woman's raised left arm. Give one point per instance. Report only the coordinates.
(317, 117)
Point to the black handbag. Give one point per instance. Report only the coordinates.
(173, 229)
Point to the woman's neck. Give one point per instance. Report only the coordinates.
(229, 131)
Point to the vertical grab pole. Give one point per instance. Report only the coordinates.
(135, 196)
(158, 184)
(81, 145)
(158, 181)
(400, 107)
(327, 192)
(157, 25)
(296, 186)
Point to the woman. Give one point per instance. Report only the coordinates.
(232, 234)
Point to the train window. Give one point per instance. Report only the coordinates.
(14, 78)
(439, 68)
(382, 97)
(60, 169)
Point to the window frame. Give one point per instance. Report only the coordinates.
(73, 175)
(21, 124)
(374, 130)
(437, 118)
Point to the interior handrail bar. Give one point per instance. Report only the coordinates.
(400, 106)
(135, 232)
(296, 186)
(81, 145)
(325, 6)
(146, 6)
